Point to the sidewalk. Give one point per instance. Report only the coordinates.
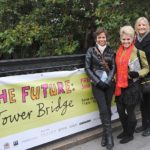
(91, 139)
(139, 143)
(76, 139)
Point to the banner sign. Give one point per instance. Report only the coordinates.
(42, 107)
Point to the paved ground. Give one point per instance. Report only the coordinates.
(139, 143)
(90, 140)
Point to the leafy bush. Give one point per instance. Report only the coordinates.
(37, 28)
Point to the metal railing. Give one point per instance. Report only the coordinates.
(44, 64)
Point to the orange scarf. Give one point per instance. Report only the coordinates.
(122, 68)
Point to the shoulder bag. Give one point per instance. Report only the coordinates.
(145, 82)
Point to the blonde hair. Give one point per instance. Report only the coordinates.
(146, 22)
(128, 30)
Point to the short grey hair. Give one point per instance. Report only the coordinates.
(128, 30)
(146, 22)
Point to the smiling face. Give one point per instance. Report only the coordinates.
(126, 40)
(101, 39)
(141, 27)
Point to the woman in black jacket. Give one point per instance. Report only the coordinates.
(100, 67)
(142, 42)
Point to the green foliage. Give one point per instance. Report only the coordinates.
(113, 15)
(35, 28)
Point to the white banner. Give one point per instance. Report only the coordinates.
(43, 107)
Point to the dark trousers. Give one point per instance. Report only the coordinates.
(127, 116)
(104, 99)
(145, 110)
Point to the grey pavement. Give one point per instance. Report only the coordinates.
(91, 139)
(139, 143)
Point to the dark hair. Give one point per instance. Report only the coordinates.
(98, 31)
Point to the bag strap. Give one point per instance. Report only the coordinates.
(103, 60)
(138, 55)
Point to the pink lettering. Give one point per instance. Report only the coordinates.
(60, 87)
(25, 93)
(4, 96)
(44, 87)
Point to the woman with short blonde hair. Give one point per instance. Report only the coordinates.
(127, 30)
(127, 92)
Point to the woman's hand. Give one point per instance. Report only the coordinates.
(133, 74)
(102, 85)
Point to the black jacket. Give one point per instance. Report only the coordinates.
(93, 62)
(144, 45)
